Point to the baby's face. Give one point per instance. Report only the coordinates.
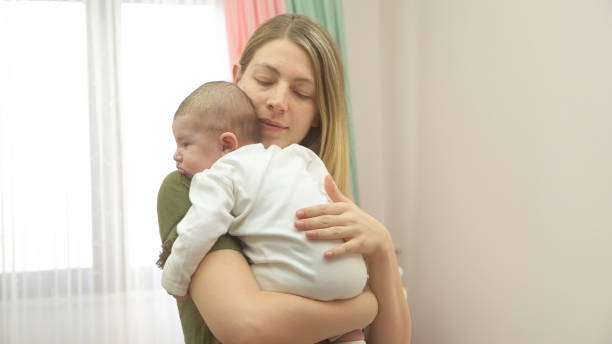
(195, 149)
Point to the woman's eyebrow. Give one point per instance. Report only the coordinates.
(275, 71)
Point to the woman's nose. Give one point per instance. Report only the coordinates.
(278, 100)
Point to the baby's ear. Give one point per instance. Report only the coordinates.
(228, 141)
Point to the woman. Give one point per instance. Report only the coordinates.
(292, 71)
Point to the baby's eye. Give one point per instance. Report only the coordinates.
(185, 144)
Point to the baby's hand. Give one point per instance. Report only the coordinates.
(180, 298)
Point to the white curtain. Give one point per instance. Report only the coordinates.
(87, 93)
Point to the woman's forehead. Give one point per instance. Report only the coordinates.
(284, 57)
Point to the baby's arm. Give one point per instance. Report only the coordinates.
(209, 217)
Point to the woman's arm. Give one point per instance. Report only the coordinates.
(237, 311)
(363, 234)
(393, 323)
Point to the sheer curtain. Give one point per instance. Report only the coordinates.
(87, 93)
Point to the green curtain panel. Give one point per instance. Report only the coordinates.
(329, 14)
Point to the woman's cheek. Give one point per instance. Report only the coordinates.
(255, 95)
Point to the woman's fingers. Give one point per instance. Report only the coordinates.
(323, 221)
(343, 220)
(321, 209)
(330, 233)
(351, 246)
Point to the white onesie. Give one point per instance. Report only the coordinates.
(253, 193)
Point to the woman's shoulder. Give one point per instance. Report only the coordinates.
(173, 189)
(172, 202)
(174, 181)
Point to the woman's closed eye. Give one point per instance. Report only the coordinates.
(264, 82)
(301, 95)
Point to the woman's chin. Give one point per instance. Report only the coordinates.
(267, 142)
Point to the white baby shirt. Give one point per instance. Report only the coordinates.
(253, 193)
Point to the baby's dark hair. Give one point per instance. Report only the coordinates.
(222, 106)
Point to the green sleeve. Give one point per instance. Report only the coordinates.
(172, 204)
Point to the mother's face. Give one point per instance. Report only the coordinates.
(280, 81)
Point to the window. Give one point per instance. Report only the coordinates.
(45, 202)
(87, 95)
(56, 99)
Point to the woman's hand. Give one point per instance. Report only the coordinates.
(343, 220)
(363, 234)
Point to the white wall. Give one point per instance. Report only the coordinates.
(489, 127)
(363, 20)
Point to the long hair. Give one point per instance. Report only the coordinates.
(331, 140)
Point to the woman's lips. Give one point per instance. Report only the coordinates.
(272, 125)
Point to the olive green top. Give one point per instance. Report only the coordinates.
(172, 204)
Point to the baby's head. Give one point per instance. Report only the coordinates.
(215, 119)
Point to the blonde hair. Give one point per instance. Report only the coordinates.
(222, 106)
(331, 140)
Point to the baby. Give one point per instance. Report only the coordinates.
(242, 188)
